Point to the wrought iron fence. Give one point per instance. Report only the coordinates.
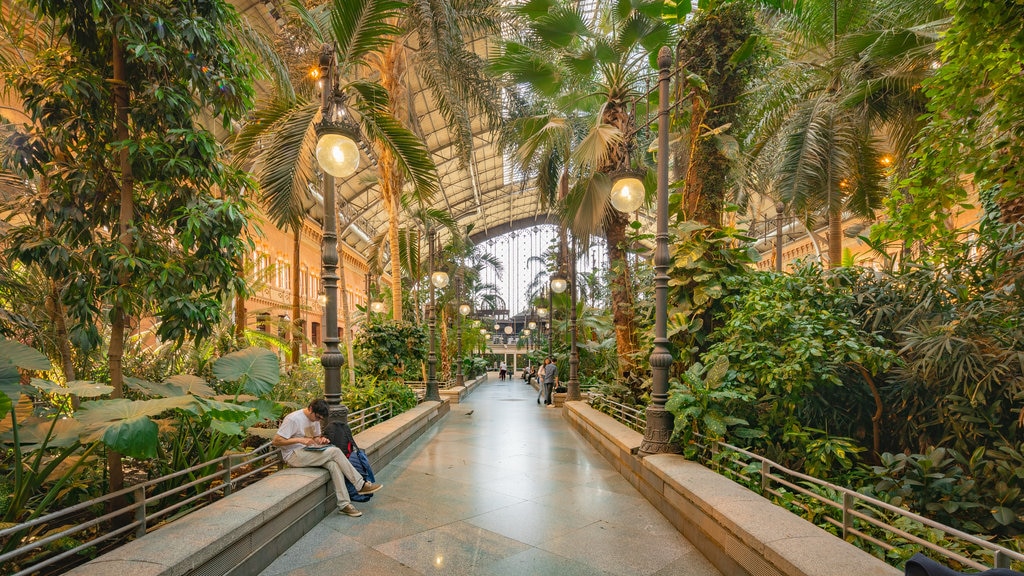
(852, 515)
(26, 546)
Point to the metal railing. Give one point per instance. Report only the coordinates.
(635, 418)
(230, 472)
(362, 419)
(854, 514)
(420, 386)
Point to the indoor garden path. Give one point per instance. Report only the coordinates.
(501, 485)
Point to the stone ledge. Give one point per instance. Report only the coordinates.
(243, 532)
(741, 532)
(455, 394)
(226, 521)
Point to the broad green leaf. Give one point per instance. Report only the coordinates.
(258, 366)
(81, 388)
(228, 428)
(153, 389)
(22, 356)
(1004, 515)
(10, 381)
(135, 437)
(716, 372)
(264, 409)
(97, 414)
(35, 433)
(226, 411)
(5, 406)
(744, 51)
(190, 384)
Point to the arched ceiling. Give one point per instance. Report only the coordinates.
(479, 193)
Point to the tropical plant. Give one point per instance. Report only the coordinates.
(841, 102)
(395, 40)
(580, 71)
(973, 124)
(102, 221)
(389, 350)
(718, 51)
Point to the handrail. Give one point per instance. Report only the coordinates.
(851, 500)
(222, 479)
(369, 416)
(856, 508)
(631, 416)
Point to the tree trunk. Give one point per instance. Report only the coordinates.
(346, 319)
(876, 418)
(392, 237)
(295, 334)
(621, 292)
(240, 318)
(118, 315)
(835, 238)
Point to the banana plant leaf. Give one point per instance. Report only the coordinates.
(258, 367)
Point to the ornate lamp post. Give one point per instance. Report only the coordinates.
(464, 310)
(437, 280)
(338, 156)
(572, 391)
(659, 421)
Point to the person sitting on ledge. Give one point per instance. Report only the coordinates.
(303, 444)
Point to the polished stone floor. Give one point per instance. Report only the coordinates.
(500, 486)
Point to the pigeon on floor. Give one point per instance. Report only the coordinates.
(470, 413)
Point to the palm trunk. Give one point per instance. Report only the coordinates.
(240, 318)
(295, 333)
(621, 292)
(118, 316)
(835, 238)
(396, 260)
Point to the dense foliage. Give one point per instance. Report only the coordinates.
(921, 365)
(389, 350)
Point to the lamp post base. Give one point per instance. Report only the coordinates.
(337, 413)
(658, 433)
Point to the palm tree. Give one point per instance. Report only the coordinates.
(843, 102)
(429, 40)
(580, 72)
(279, 140)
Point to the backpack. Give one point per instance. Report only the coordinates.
(340, 435)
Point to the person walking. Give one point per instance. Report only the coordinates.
(502, 370)
(549, 378)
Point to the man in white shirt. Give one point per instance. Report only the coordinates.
(303, 444)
